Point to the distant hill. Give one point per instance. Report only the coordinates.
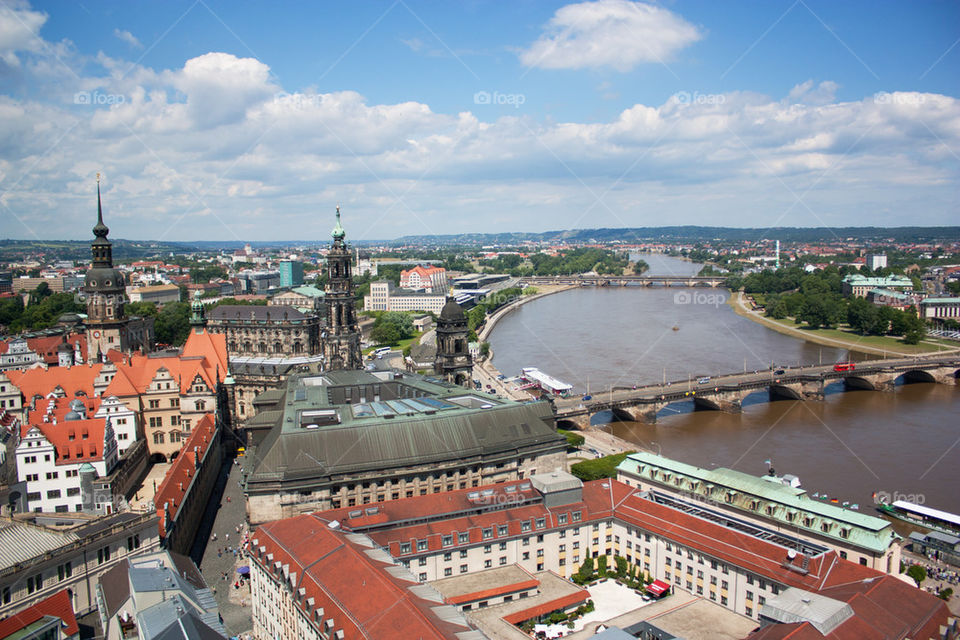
(695, 233)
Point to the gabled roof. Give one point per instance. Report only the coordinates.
(181, 473)
(329, 565)
(41, 382)
(58, 606)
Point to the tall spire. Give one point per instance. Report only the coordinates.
(100, 230)
(338, 232)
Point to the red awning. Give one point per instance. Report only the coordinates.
(658, 587)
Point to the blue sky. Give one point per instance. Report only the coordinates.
(250, 120)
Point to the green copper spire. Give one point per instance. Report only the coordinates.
(338, 232)
(100, 230)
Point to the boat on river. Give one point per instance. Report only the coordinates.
(922, 516)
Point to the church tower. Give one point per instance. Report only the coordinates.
(107, 325)
(341, 340)
(453, 362)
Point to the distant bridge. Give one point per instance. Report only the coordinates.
(628, 281)
(726, 392)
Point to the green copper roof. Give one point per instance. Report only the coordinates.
(309, 291)
(863, 530)
(338, 232)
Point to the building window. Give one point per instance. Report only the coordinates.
(488, 533)
(421, 545)
(103, 554)
(487, 563)
(463, 538)
(525, 526)
(64, 571)
(541, 523)
(423, 577)
(503, 560)
(463, 553)
(405, 547)
(447, 540)
(157, 437)
(448, 572)
(502, 530)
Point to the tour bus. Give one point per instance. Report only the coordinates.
(844, 366)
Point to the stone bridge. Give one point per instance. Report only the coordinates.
(627, 281)
(726, 392)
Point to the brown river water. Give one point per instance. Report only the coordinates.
(905, 444)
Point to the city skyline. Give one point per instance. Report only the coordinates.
(211, 121)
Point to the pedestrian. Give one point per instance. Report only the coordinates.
(228, 536)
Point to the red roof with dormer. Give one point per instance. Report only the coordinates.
(181, 473)
(58, 606)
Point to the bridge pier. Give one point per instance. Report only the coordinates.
(716, 403)
(645, 413)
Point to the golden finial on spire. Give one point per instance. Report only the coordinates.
(98, 177)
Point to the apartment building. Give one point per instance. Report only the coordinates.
(770, 502)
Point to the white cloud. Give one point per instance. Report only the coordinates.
(214, 149)
(19, 28)
(609, 33)
(129, 38)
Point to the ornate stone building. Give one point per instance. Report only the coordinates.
(341, 340)
(453, 362)
(107, 325)
(266, 331)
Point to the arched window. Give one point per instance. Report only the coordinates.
(262, 347)
(278, 347)
(158, 437)
(297, 347)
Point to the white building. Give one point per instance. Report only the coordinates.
(55, 458)
(363, 266)
(123, 420)
(430, 279)
(384, 296)
(876, 261)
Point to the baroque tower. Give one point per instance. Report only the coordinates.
(453, 362)
(341, 340)
(107, 324)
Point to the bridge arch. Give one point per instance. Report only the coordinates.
(857, 382)
(783, 392)
(917, 375)
(706, 402)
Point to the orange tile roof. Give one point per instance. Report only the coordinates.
(493, 592)
(41, 381)
(181, 473)
(329, 567)
(568, 600)
(58, 605)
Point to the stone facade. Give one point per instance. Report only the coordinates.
(453, 362)
(257, 330)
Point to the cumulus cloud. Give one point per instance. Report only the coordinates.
(19, 29)
(129, 38)
(215, 149)
(609, 33)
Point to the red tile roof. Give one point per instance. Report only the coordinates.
(493, 592)
(58, 605)
(330, 567)
(42, 381)
(568, 600)
(181, 473)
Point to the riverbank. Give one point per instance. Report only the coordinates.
(874, 345)
(485, 371)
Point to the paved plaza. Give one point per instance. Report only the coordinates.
(218, 557)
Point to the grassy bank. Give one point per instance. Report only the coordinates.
(842, 337)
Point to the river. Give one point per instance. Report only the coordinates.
(905, 443)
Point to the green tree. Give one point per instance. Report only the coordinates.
(945, 594)
(622, 566)
(585, 573)
(385, 333)
(918, 573)
(172, 324)
(605, 467)
(484, 349)
(861, 315)
(602, 566)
